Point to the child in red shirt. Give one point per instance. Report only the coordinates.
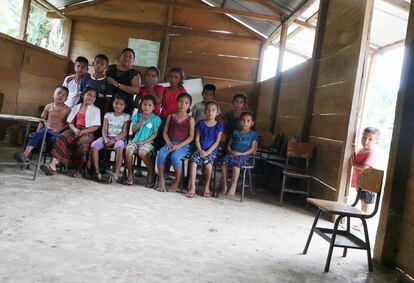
(151, 87)
(169, 101)
(361, 160)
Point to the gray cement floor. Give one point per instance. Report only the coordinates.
(60, 229)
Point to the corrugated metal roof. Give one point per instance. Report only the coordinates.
(63, 3)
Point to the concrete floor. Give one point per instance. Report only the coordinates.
(59, 229)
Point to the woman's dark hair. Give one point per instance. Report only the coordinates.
(248, 113)
(88, 88)
(179, 71)
(128, 50)
(241, 95)
(101, 57)
(153, 68)
(82, 59)
(149, 98)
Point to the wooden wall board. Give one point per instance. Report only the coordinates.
(266, 93)
(330, 126)
(39, 63)
(321, 191)
(332, 98)
(9, 85)
(343, 9)
(12, 54)
(405, 256)
(288, 126)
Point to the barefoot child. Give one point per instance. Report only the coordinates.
(56, 114)
(151, 87)
(242, 143)
(115, 129)
(207, 140)
(198, 110)
(145, 127)
(178, 133)
(73, 82)
(72, 147)
(231, 119)
(361, 160)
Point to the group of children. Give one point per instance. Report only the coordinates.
(84, 119)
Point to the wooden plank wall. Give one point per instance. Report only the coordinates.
(294, 90)
(265, 96)
(334, 93)
(229, 62)
(29, 75)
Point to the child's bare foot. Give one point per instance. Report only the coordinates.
(231, 192)
(173, 188)
(206, 194)
(190, 194)
(161, 188)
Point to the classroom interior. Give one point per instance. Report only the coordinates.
(308, 68)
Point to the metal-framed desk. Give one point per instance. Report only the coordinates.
(27, 120)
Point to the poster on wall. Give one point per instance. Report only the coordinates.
(146, 51)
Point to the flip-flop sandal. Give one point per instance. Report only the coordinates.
(47, 170)
(153, 183)
(129, 182)
(207, 195)
(190, 194)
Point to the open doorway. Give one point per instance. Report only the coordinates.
(381, 85)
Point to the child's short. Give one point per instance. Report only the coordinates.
(147, 147)
(99, 144)
(197, 159)
(368, 197)
(236, 161)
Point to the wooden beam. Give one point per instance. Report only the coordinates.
(399, 3)
(76, 6)
(278, 83)
(311, 20)
(218, 10)
(305, 4)
(53, 8)
(275, 9)
(223, 4)
(391, 46)
(173, 29)
(166, 43)
(24, 19)
(67, 34)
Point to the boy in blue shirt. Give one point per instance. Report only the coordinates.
(99, 81)
(242, 144)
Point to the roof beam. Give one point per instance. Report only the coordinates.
(292, 18)
(311, 20)
(391, 46)
(399, 3)
(53, 8)
(77, 6)
(275, 9)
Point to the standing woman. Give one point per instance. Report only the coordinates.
(125, 79)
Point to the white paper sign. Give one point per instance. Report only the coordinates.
(146, 51)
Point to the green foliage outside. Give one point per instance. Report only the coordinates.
(41, 31)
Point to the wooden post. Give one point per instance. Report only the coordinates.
(166, 43)
(275, 100)
(398, 191)
(24, 19)
(67, 34)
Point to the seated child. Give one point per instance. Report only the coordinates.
(99, 81)
(361, 160)
(72, 147)
(152, 88)
(73, 82)
(115, 129)
(231, 119)
(209, 93)
(207, 140)
(56, 114)
(145, 127)
(178, 134)
(242, 144)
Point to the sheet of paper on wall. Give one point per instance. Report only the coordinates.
(146, 51)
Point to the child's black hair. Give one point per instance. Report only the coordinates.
(210, 87)
(182, 95)
(180, 71)
(64, 88)
(149, 97)
(82, 59)
(82, 95)
(248, 113)
(128, 50)
(121, 97)
(372, 130)
(241, 95)
(153, 68)
(101, 57)
(211, 102)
